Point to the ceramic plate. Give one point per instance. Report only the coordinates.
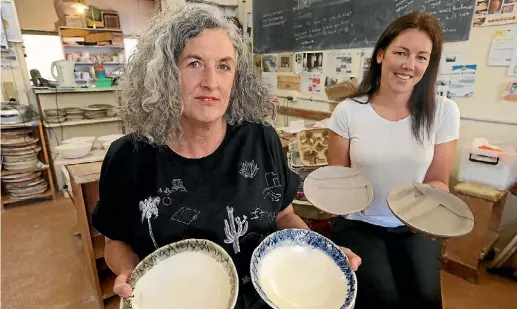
(430, 210)
(191, 273)
(301, 269)
(338, 190)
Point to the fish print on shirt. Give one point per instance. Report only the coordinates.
(272, 182)
(249, 169)
(234, 228)
(149, 210)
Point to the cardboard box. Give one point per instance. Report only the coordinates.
(288, 82)
(340, 91)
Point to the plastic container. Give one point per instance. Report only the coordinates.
(103, 82)
(493, 166)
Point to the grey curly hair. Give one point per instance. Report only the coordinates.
(149, 94)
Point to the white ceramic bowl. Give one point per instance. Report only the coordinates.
(109, 138)
(78, 139)
(74, 150)
(295, 268)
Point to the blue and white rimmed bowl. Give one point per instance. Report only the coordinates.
(292, 242)
(192, 273)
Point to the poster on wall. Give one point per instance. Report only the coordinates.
(298, 63)
(285, 62)
(257, 63)
(512, 68)
(341, 63)
(269, 63)
(366, 57)
(10, 22)
(8, 59)
(4, 44)
(311, 82)
(501, 48)
(463, 79)
(452, 55)
(510, 93)
(312, 62)
(495, 12)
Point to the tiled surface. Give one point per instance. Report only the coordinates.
(42, 266)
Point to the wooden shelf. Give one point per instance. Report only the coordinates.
(95, 155)
(92, 29)
(107, 286)
(32, 169)
(8, 200)
(80, 122)
(91, 63)
(98, 246)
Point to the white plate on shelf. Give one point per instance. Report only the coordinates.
(192, 273)
(338, 190)
(431, 210)
(301, 269)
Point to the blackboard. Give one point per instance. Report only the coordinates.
(304, 25)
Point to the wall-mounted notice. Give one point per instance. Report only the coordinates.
(269, 63)
(311, 82)
(512, 68)
(495, 12)
(286, 62)
(462, 80)
(10, 21)
(270, 81)
(341, 64)
(312, 62)
(366, 58)
(501, 49)
(308, 25)
(257, 63)
(510, 93)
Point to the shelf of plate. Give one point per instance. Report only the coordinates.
(104, 63)
(93, 46)
(9, 200)
(92, 29)
(30, 124)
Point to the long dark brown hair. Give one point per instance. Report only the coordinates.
(422, 100)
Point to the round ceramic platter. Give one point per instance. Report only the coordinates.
(21, 165)
(192, 273)
(20, 151)
(28, 195)
(431, 210)
(25, 177)
(16, 132)
(338, 190)
(23, 192)
(22, 158)
(54, 112)
(98, 107)
(24, 184)
(296, 268)
(20, 142)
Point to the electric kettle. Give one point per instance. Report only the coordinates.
(63, 72)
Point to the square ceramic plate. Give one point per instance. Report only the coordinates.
(431, 210)
(301, 269)
(338, 190)
(188, 274)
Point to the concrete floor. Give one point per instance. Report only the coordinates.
(42, 266)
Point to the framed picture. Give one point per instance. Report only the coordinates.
(110, 19)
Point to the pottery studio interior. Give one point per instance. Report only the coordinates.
(107, 104)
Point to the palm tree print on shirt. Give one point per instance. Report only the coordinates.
(149, 210)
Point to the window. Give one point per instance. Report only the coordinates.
(41, 51)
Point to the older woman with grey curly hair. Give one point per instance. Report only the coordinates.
(201, 155)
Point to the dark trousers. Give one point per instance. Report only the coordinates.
(400, 269)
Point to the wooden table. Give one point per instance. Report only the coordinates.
(462, 254)
(84, 179)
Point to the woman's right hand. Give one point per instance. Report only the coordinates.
(121, 287)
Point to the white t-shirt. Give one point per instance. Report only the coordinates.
(387, 153)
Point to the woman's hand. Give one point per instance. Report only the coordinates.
(353, 258)
(121, 287)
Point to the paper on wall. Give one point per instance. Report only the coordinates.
(341, 64)
(10, 21)
(311, 82)
(512, 68)
(462, 80)
(501, 48)
(270, 81)
(495, 12)
(366, 56)
(453, 54)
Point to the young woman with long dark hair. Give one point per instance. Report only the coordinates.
(396, 131)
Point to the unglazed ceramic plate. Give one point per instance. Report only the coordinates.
(431, 210)
(300, 269)
(338, 190)
(189, 274)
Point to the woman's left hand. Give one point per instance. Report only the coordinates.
(353, 258)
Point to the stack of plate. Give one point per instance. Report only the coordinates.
(55, 115)
(19, 149)
(25, 185)
(74, 113)
(97, 111)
